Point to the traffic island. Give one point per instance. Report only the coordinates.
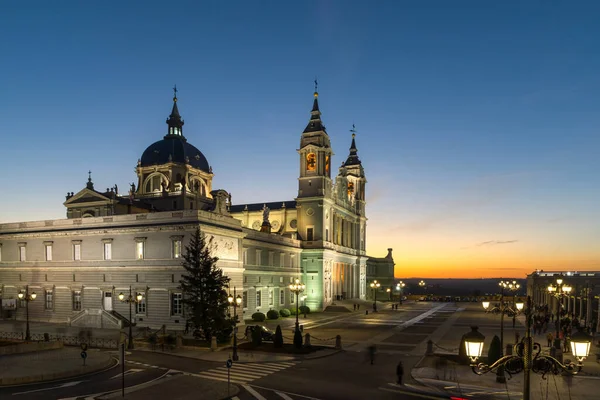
(287, 348)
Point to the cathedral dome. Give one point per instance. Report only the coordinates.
(174, 149)
(174, 146)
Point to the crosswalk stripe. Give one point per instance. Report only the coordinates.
(284, 396)
(261, 368)
(219, 378)
(246, 373)
(254, 392)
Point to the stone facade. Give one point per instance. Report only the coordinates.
(111, 243)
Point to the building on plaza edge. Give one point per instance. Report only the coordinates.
(110, 241)
(582, 302)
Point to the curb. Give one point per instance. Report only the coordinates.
(54, 376)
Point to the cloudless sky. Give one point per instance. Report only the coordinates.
(477, 121)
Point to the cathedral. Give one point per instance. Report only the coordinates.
(112, 243)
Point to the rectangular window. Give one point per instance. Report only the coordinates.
(271, 259)
(309, 234)
(245, 299)
(49, 300)
(176, 304)
(281, 279)
(245, 278)
(291, 279)
(108, 251)
(282, 259)
(0, 251)
(48, 252)
(177, 248)
(77, 300)
(77, 252)
(281, 297)
(139, 250)
(327, 234)
(259, 279)
(140, 307)
(258, 257)
(270, 297)
(245, 255)
(22, 253)
(291, 297)
(292, 260)
(258, 298)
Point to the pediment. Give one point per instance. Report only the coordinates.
(86, 196)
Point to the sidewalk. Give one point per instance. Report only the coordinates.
(17, 369)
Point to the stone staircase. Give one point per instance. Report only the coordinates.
(96, 318)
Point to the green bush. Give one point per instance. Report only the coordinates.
(256, 336)
(258, 317)
(304, 310)
(495, 351)
(272, 314)
(284, 312)
(293, 311)
(297, 339)
(278, 339)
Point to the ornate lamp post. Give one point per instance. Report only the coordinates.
(375, 286)
(486, 306)
(27, 298)
(235, 302)
(513, 287)
(527, 355)
(559, 291)
(131, 300)
(297, 287)
(422, 283)
(389, 292)
(400, 288)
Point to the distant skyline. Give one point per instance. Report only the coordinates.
(477, 122)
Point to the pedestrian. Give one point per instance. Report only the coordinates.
(372, 351)
(354, 306)
(357, 307)
(550, 337)
(400, 372)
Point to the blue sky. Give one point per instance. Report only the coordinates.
(477, 121)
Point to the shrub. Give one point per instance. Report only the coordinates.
(304, 310)
(297, 339)
(256, 336)
(258, 317)
(272, 314)
(278, 339)
(293, 311)
(284, 312)
(495, 351)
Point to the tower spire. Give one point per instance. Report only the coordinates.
(174, 121)
(315, 124)
(353, 156)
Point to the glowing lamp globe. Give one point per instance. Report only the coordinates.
(486, 304)
(474, 343)
(121, 296)
(520, 306)
(580, 345)
(33, 296)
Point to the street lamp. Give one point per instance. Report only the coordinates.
(513, 287)
(400, 288)
(131, 300)
(375, 286)
(422, 283)
(27, 298)
(235, 302)
(486, 305)
(559, 291)
(297, 288)
(524, 358)
(389, 292)
(519, 306)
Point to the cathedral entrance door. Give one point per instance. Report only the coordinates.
(108, 306)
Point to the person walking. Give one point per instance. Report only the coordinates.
(550, 338)
(400, 372)
(372, 350)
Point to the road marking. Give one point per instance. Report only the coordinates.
(64, 385)
(290, 393)
(244, 373)
(128, 372)
(416, 394)
(254, 392)
(283, 395)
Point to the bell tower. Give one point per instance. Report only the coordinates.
(315, 156)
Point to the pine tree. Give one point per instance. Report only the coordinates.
(204, 291)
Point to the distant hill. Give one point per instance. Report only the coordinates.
(459, 287)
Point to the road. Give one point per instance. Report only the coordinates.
(398, 335)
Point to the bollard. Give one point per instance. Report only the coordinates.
(338, 342)
(213, 343)
(429, 347)
(179, 341)
(307, 340)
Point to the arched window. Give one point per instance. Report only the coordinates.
(154, 183)
(197, 186)
(88, 214)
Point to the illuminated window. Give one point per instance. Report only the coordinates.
(140, 248)
(281, 297)
(270, 297)
(327, 165)
(311, 162)
(176, 246)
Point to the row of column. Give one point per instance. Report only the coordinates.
(345, 233)
(580, 305)
(345, 280)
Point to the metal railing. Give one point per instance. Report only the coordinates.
(99, 343)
